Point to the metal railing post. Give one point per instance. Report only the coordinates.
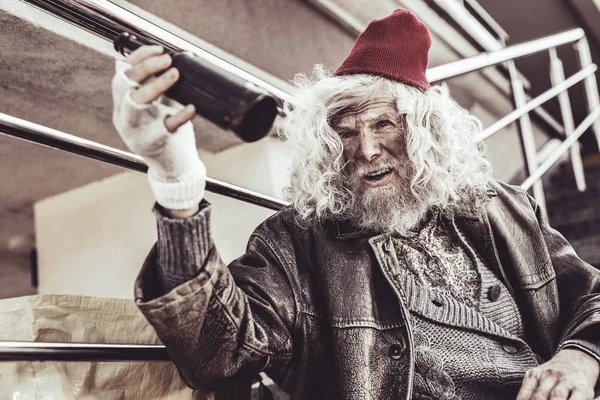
(511, 53)
(563, 148)
(52, 351)
(557, 76)
(536, 102)
(591, 87)
(526, 133)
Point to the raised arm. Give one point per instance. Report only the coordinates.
(217, 326)
(225, 323)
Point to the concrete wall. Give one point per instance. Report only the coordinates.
(93, 240)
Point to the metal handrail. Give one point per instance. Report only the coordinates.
(52, 351)
(563, 148)
(514, 52)
(53, 138)
(536, 102)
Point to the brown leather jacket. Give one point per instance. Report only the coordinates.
(319, 303)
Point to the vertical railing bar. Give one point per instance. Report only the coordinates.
(536, 102)
(484, 60)
(526, 133)
(560, 150)
(557, 76)
(590, 85)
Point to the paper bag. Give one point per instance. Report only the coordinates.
(63, 318)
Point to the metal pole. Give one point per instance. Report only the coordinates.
(560, 150)
(39, 134)
(517, 51)
(557, 76)
(48, 351)
(526, 130)
(488, 19)
(536, 102)
(590, 84)
(106, 20)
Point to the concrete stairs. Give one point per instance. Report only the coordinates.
(577, 214)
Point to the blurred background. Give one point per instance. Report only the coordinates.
(72, 225)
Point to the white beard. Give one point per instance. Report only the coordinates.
(395, 211)
(391, 208)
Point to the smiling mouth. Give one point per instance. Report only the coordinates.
(378, 175)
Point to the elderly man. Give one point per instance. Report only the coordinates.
(402, 269)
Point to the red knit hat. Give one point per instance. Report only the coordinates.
(395, 47)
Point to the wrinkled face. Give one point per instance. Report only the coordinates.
(374, 143)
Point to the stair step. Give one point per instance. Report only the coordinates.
(587, 202)
(576, 214)
(565, 175)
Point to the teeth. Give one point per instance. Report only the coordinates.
(381, 171)
(377, 173)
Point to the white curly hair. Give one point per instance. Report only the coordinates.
(451, 169)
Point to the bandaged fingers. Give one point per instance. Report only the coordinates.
(157, 128)
(153, 88)
(150, 69)
(144, 52)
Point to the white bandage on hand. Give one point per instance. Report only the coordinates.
(175, 173)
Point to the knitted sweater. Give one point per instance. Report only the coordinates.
(438, 263)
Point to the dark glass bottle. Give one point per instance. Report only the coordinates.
(219, 96)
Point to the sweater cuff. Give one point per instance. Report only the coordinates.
(183, 246)
(183, 193)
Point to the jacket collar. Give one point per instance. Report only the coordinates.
(344, 230)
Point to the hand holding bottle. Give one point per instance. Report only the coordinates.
(157, 128)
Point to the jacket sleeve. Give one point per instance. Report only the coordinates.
(579, 291)
(226, 323)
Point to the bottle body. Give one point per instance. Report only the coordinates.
(219, 96)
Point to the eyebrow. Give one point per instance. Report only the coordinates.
(386, 115)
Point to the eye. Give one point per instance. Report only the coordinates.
(347, 134)
(383, 123)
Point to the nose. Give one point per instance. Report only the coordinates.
(370, 147)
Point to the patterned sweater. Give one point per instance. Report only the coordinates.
(439, 264)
